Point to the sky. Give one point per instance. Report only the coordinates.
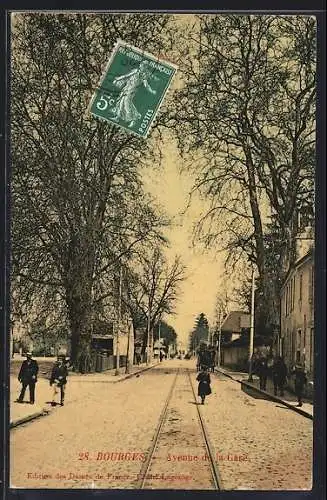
(170, 188)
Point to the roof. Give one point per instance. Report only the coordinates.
(310, 255)
(235, 321)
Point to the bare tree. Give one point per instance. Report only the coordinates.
(246, 118)
(78, 202)
(152, 288)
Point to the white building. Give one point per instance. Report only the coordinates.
(296, 341)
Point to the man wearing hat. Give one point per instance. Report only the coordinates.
(300, 381)
(28, 377)
(58, 379)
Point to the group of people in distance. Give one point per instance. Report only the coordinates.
(265, 366)
(27, 376)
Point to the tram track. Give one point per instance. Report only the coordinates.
(169, 435)
(214, 469)
(146, 466)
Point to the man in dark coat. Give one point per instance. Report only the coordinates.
(204, 388)
(28, 377)
(262, 371)
(59, 380)
(212, 352)
(279, 373)
(300, 382)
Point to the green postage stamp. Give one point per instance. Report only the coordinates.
(132, 88)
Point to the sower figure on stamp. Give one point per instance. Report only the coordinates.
(59, 380)
(129, 83)
(28, 377)
(204, 380)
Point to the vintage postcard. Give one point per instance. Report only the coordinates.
(162, 251)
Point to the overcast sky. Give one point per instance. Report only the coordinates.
(198, 292)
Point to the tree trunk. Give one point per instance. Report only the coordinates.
(268, 312)
(79, 313)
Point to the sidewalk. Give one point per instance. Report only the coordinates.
(110, 375)
(289, 399)
(76, 389)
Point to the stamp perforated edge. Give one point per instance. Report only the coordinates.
(158, 59)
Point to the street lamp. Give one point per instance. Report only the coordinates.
(117, 371)
(148, 333)
(250, 379)
(159, 338)
(219, 338)
(129, 331)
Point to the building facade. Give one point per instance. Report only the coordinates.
(296, 341)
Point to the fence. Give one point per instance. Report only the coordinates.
(103, 362)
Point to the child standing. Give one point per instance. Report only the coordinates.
(59, 380)
(204, 388)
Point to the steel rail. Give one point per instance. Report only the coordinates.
(214, 469)
(162, 418)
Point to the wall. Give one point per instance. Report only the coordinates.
(123, 343)
(235, 357)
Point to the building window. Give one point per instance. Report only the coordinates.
(300, 288)
(293, 347)
(293, 294)
(311, 286)
(298, 346)
(282, 351)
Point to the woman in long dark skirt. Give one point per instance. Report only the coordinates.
(204, 388)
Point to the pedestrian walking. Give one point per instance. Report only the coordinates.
(279, 374)
(212, 352)
(138, 358)
(28, 377)
(300, 381)
(58, 380)
(204, 380)
(262, 371)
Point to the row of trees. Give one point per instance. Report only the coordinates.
(79, 211)
(245, 120)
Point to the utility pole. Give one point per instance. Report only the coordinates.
(250, 379)
(129, 329)
(219, 338)
(119, 321)
(148, 334)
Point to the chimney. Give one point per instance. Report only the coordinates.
(304, 242)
